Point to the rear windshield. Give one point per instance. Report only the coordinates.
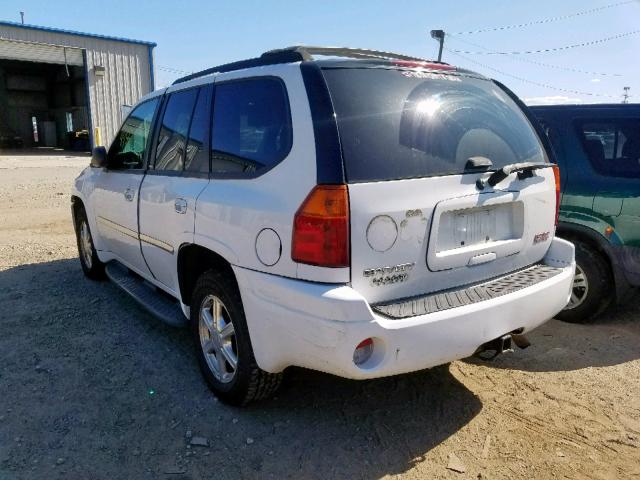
(397, 124)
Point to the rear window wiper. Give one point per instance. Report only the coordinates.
(524, 170)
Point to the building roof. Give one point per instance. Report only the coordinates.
(72, 32)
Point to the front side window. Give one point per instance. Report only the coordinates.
(172, 139)
(128, 149)
(251, 126)
(613, 147)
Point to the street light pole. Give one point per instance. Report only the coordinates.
(438, 35)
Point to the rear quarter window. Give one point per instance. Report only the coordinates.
(396, 124)
(251, 126)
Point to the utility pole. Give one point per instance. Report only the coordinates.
(438, 35)
(22, 17)
(625, 95)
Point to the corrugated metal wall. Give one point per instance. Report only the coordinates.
(127, 75)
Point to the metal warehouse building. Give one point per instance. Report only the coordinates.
(67, 89)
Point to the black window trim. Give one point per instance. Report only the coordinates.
(147, 150)
(251, 175)
(578, 124)
(329, 159)
(548, 125)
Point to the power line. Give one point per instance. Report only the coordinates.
(546, 20)
(526, 80)
(173, 70)
(554, 49)
(542, 64)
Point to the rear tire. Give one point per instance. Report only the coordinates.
(91, 264)
(223, 345)
(593, 288)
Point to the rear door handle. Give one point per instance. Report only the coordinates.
(181, 205)
(129, 194)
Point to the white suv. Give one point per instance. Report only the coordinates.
(351, 211)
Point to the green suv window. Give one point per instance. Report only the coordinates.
(613, 147)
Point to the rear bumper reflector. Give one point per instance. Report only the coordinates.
(436, 302)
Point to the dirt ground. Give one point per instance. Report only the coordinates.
(92, 387)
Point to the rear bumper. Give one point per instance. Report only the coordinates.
(318, 326)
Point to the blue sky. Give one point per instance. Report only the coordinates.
(194, 34)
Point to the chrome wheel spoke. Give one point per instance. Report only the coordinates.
(217, 312)
(209, 347)
(580, 289)
(580, 281)
(229, 356)
(208, 320)
(222, 366)
(227, 331)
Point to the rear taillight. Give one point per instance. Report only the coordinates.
(556, 174)
(421, 64)
(321, 228)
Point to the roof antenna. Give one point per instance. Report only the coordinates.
(22, 17)
(439, 36)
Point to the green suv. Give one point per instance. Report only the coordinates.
(597, 148)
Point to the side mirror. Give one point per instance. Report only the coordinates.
(99, 157)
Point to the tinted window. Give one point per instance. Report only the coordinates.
(129, 147)
(613, 147)
(397, 124)
(172, 139)
(197, 158)
(251, 126)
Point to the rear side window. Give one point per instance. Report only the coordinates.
(129, 147)
(172, 139)
(197, 156)
(396, 124)
(251, 126)
(613, 147)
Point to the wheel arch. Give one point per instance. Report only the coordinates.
(599, 243)
(76, 204)
(193, 261)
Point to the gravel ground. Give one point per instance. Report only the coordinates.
(92, 387)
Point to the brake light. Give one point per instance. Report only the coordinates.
(421, 64)
(321, 228)
(556, 174)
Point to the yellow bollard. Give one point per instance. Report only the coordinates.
(97, 139)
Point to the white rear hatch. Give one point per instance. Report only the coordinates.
(414, 145)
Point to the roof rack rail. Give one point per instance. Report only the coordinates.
(308, 52)
(272, 59)
(300, 53)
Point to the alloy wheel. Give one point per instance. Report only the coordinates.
(580, 289)
(86, 248)
(218, 339)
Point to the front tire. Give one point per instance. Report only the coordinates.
(91, 264)
(592, 286)
(222, 342)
